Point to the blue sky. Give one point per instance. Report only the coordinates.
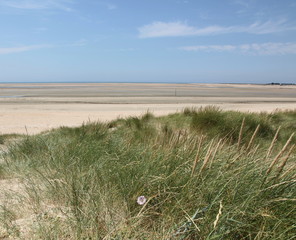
(219, 41)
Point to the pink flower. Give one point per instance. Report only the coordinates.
(141, 200)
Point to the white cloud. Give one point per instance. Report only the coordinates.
(162, 29)
(37, 4)
(108, 5)
(267, 27)
(175, 29)
(253, 49)
(111, 6)
(243, 3)
(79, 43)
(209, 48)
(119, 50)
(21, 49)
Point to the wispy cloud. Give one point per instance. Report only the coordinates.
(253, 49)
(175, 29)
(10, 50)
(111, 6)
(119, 50)
(37, 4)
(210, 48)
(108, 5)
(243, 3)
(79, 43)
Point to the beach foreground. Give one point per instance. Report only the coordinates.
(32, 108)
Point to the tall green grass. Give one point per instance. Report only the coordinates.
(199, 181)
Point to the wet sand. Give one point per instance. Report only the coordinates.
(32, 108)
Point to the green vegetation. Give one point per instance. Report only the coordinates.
(206, 174)
(6, 137)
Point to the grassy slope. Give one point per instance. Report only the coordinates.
(205, 177)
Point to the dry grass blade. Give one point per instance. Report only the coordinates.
(172, 138)
(191, 220)
(192, 144)
(224, 141)
(279, 154)
(144, 206)
(178, 136)
(253, 153)
(184, 137)
(216, 150)
(218, 215)
(236, 158)
(289, 170)
(197, 155)
(241, 133)
(279, 184)
(281, 167)
(253, 137)
(207, 157)
(273, 142)
(284, 199)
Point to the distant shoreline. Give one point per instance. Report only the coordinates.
(35, 107)
(86, 82)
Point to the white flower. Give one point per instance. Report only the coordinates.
(141, 200)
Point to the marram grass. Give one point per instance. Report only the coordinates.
(194, 179)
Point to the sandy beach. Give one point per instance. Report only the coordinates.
(35, 107)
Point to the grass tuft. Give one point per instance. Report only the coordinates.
(206, 174)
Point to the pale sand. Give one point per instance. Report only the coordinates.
(32, 108)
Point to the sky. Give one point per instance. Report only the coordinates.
(183, 41)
